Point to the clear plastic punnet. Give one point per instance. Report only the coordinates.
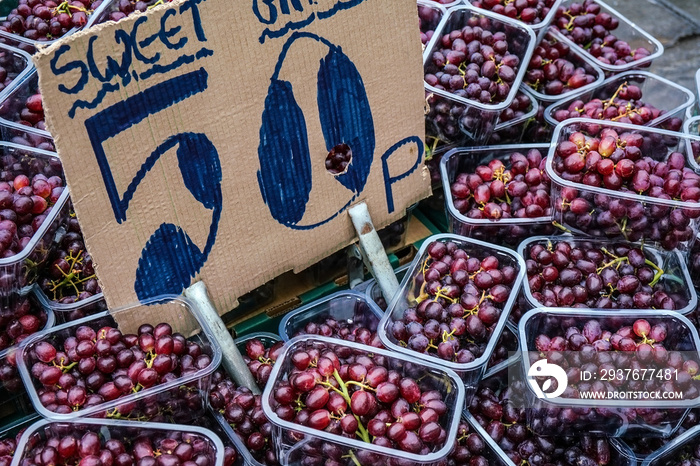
(443, 384)
(512, 131)
(204, 444)
(184, 395)
(507, 350)
(578, 59)
(374, 292)
(10, 434)
(455, 119)
(12, 392)
(17, 65)
(430, 13)
(268, 339)
(671, 99)
(671, 274)
(539, 25)
(349, 308)
(626, 31)
(506, 231)
(634, 389)
(684, 447)
(410, 290)
(22, 115)
(642, 448)
(30, 44)
(20, 270)
(68, 312)
(500, 380)
(308, 453)
(633, 216)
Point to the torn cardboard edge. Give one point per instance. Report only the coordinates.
(354, 31)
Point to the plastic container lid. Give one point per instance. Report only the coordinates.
(187, 315)
(663, 92)
(684, 281)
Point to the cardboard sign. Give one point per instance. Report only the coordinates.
(194, 136)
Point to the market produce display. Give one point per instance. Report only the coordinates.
(571, 245)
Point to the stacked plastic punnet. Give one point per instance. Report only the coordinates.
(553, 323)
(597, 192)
